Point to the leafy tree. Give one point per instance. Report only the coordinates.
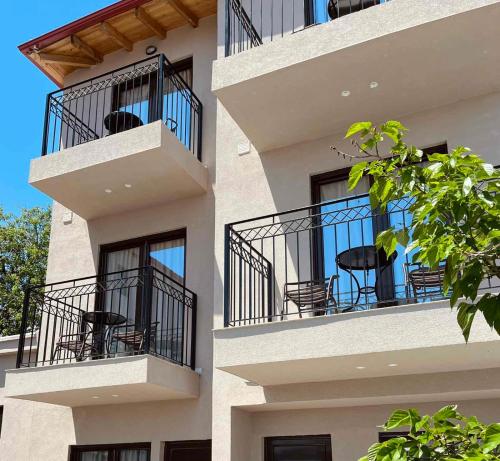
(455, 207)
(24, 242)
(446, 435)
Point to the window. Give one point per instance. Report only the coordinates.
(194, 450)
(123, 452)
(298, 448)
(351, 231)
(165, 252)
(139, 97)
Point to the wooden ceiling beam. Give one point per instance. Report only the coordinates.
(74, 61)
(80, 45)
(116, 36)
(188, 15)
(150, 23)
(51, 70)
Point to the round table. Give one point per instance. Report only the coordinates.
(118, 121)
(103, 321)
(365, 258)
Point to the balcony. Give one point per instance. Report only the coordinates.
(312, 76)
(112, 143)
(308, 298)
(127, 336)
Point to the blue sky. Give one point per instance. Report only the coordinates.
(24, 89)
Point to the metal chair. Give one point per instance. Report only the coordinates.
(315, 293)
(135, 337)
(423, 278)
(80, 344)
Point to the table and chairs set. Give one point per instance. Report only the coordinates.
(102, 334)
(319, 296)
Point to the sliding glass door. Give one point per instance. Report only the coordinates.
(128, 452)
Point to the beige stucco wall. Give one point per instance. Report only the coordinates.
(47, 430)
(256, 184)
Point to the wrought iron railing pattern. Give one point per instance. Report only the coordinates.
(322, 259)
(251, 23)
(134, 95)
(139, 311)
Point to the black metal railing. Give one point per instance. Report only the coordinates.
(251, 23)
(139, 311)
(322, 260)
(134, 95)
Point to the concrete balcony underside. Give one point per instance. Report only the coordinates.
(422, 53)
(101, 382)
(150, 159)
(413, 339)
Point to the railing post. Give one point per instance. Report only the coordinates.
(147, 298)
(45, 138)
(228, 29)
(24, 324)
(200, 130)
(194, 309)
(159, 87)
(227, 231)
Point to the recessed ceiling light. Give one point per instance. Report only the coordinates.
(345, 93)
(373, 85)
(95, 397)
(115, 395)
(151, 49)
(392, 365)
(128, 186)
(360, 368)
(108, 191)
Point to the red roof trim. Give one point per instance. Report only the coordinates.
(87, 21)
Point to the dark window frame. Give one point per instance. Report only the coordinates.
(324, 440)
(342, 174)
(1, 419)
(112, 449)
(144, 243)
(152, 79)
(184, 445)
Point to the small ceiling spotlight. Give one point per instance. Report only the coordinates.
(346, 93)
(151, 49)
(373, 85)
(115, 396)
(95, 397)
(360, 368)
(108, 191)
(128, 186)
(392, 365)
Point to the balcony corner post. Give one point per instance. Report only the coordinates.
(161, 78)
(193, 332)
(24, 324)
(45, 138)
(227, 231)
(147, 299)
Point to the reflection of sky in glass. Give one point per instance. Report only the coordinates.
(321, 9)
(171, 258)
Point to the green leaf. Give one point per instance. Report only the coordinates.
(492, 438)
(356, 174)
(397, 419)
(467, 186)
(489, 305)
(447, 412)
(465, 317)
(388, 241)
(358, 127)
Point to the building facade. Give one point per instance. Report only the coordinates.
(213, 290)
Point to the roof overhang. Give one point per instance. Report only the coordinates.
(84, 42)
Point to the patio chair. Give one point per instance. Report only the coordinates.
(81, 344)
(318, 294)
(423, 279)
(133, 336)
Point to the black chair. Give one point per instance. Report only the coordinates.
(119, 121)
(318, 294)
(423, 280)
(134, 336)
(80, 344)
(338, 8)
